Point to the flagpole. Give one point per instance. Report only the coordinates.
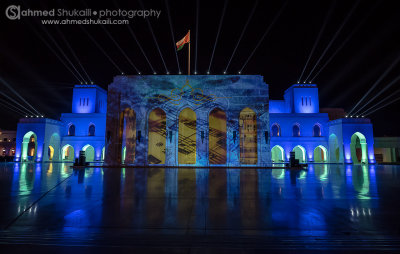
(189, 55)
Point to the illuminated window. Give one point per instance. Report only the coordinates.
(296, 130)
(92, 129)
(71, 130)
(275, 130)
(317, 131)
(87, 102)
(310, 100)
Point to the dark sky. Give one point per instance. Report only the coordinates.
(38, 75)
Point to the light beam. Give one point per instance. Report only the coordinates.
(101, 49)
(385, 105)
(62, 52)
(17, 94)
(241, 35)
(172, 34)
(346, 40)
(119, 48)
(154, 37)
(19, 104)
(332, 7)
(334, 38)
(54, 52)
(218, 32)
(380, 102)
(265, 34)
(397, 79)
(72, 52)
(376, 83)
(197, 35)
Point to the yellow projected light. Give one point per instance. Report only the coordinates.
(187, 137)
(248, 136)
(157, 136)
(217, 137)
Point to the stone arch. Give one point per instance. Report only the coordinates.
(187, 136)
(358, 148)
(277, 154)
(89, 152)
(248, 136)
(300, 153)
(217, 136)
(320, 154)
(67, 153)
(334, 150)
(275, 130)
(157, 123)
(29, 146)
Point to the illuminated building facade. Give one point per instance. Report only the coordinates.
(198, 120)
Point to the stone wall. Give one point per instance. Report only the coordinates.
(172, 94)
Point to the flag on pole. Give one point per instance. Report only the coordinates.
(181, 43)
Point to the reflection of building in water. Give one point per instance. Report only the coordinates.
(196, 121)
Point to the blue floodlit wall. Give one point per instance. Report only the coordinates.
(306, 139)
(202, 94)
(345, 128)
(89, 106)
(47, 132)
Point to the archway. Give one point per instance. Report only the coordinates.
(71, 130)
(334, 151)
(54, 151)
(89, 152)
(50, 153)
(92, 130)
(358, 148)
(68, 153)
(296, 130)
(187, 137)
(248, 136)
(317, 130)
(320, 154)
(127, 135)
(277, 154)
(29, 146)
(300, 153)
(275, 130)
(103, 153)
(217, 136)
(157, 136)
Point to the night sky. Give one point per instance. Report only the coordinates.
(36, 73)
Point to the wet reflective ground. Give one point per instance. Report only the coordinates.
(329, 207)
